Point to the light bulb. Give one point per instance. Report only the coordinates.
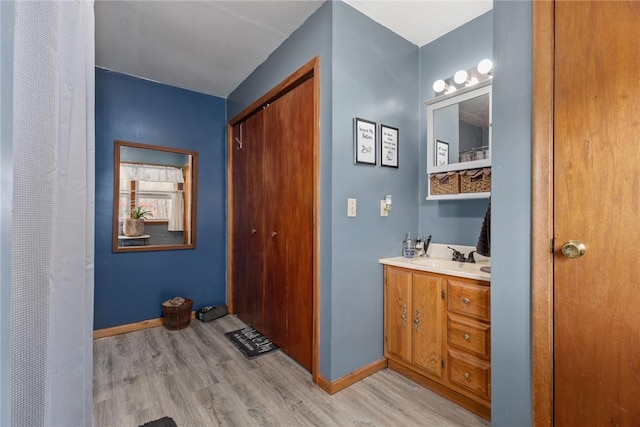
(485, 66)
(439, 86)
(460, 77)
(472, 81)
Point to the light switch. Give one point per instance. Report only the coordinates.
(351, 207)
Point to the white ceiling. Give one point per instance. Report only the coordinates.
(211, 46)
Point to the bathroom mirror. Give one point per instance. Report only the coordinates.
(154, 197)
(459, 130)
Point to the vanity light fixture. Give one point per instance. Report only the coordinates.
(460, 77)
(485, 67)
(439, 86)
(464, 78)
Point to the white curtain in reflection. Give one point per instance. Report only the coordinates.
(176, 219)
(130, 172)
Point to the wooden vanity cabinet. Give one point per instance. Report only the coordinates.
(437, 332)
(414, 319)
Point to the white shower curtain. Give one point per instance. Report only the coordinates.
(52, 214)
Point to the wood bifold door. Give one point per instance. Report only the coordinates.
(272, 159)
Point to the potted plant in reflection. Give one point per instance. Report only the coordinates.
(134, 225)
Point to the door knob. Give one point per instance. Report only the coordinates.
(573, 249)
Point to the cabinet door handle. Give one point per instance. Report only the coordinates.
(416, 320)
(403, 315)
(254, 231)
(466, 337)
(274, 234)
(466, 300)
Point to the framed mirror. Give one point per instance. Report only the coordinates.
(154, 196)
(459, 130)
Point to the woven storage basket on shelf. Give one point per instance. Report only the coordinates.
(475, 181)
(445, 183)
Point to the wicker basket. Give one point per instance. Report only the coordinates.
(445, 183)
(177, 317)
(475, 181)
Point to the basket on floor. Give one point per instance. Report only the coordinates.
(475, 181)
(179, 316)
(445, 183)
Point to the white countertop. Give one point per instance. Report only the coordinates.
(436, 262)
(441, 266)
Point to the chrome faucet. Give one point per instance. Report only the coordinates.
(459, 256)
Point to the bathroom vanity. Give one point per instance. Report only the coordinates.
(437, 327)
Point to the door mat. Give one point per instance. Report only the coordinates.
(162, 422)
(251, 342)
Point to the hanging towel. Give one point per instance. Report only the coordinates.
(484, 241)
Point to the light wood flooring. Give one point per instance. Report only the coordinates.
(198, 378)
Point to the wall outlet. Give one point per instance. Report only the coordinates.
(351, 207)
(383, 211)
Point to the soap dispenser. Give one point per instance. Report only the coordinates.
(408, 247)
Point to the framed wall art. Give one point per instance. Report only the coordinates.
(364, 141)
(388, 146)
(442, 153)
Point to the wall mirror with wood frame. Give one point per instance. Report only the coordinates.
(154, 195)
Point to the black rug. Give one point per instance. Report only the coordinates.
(251, 342)
(162, 422)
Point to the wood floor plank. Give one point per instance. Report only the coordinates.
(198, 378)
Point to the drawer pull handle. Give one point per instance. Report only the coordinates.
(466, 337)
(403, 315)
(466, 300)
(467, 375)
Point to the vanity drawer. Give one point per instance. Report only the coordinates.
(469, 335)
(469, 299)
(470, 374)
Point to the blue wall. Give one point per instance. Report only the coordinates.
(448, 221)
(511, 214)
(130, 287)
(375, 74)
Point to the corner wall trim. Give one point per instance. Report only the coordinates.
(333, 387)
(131, 327)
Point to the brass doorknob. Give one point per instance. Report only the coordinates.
(573, 249)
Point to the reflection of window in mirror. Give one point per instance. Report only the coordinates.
(160, 182)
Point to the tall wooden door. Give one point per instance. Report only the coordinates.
(289, 129)
(597, 202)
(249, 229)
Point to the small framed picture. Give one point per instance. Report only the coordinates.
(442, 153)
(388, 146)
(364, 141)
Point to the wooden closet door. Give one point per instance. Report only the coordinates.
(249, 229)
(289, 181)
(298, 113)
(275, 211)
